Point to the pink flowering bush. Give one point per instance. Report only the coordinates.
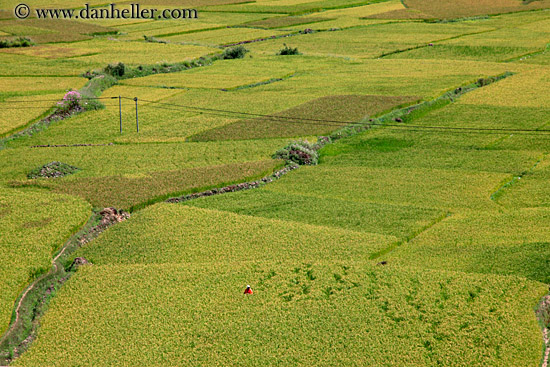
(71, 101)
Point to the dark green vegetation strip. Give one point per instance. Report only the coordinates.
(17, 42)
(335, 108)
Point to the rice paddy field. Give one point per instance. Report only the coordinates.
(419, 238)
(34, 226)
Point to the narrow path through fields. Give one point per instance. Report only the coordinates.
(89, 232)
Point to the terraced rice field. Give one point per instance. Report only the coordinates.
(12, 117)
(372, 41)
(302, 319)
(448, 9)
(332, 108)
(420, 238)
(51, 30)
(34, 226)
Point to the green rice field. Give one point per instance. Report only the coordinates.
(375, 170)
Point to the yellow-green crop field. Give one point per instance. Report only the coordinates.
(13, 85)
(340, 110)
(199, 316)
(35, 66)
(100, 161)
(12, 116)
(290, 6)
(418, 238)
(131, 192)
(224, 36)
(227, 75)
(449, 9)
(51, 30)
(34, 225)
(508, 243)
(165, 28)
(523, 90)
(371, 41)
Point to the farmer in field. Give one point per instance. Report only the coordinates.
(248, 290)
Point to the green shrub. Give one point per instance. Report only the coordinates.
(236, 52)
(153, 39)
(300, 152)
(288, 50)
(116, 70)
(18, 42)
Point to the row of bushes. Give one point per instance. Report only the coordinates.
(121, 71)
(18, 42)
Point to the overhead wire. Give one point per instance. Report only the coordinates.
(293, 119)
(343, 123)
(53, 100)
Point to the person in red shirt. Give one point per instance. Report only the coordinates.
(248, 290)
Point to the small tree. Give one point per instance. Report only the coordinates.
(116, 70)
(288, 50)
(236, 52)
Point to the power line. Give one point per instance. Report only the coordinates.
(53, 100)
(300, 119)
(38, 107)
(295, 119)
(343, 123)
(340, 124)
(410, 128)
(419, 130)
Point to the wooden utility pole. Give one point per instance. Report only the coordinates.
(137, 121)
(120, 112)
